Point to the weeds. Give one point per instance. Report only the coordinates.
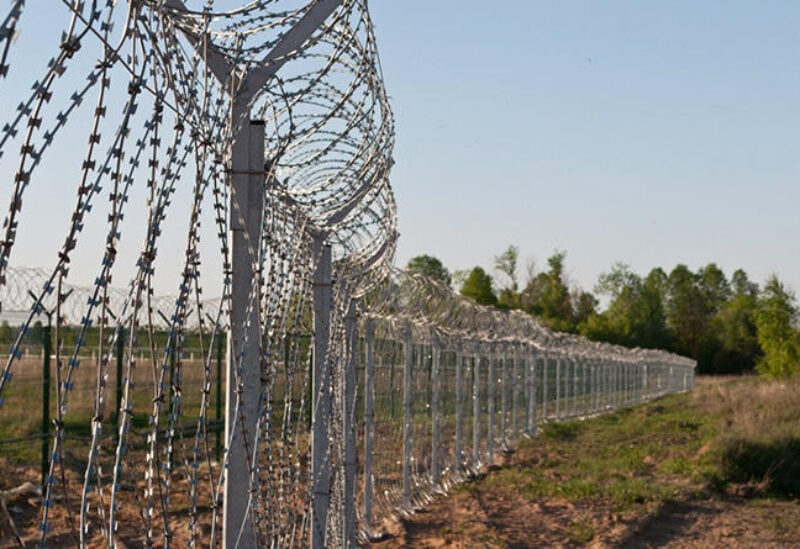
(582, 531)
(774, 466)
(730, 431)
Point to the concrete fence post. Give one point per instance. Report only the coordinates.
(459, 408)
(320, 445)
(369, 413)
(490, 402)
(476, 407)
(407, 365)
(349, 427)
(436, 350)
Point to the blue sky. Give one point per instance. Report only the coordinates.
(653, 133)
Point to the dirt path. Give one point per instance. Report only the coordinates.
(472, 519)
(651, 476)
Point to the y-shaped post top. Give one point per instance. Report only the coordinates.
(257, 78)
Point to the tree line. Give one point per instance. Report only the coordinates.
(728, 325)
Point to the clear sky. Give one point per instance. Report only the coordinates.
(653, 133)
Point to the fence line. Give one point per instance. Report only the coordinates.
(423, 389)
(515, 374)
(352, 391)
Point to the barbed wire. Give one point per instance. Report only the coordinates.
(160, 126)
(176, 87)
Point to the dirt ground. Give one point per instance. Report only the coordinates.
(490, 511)
(464, 520)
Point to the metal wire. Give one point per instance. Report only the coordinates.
(499, 374)
(421, 388)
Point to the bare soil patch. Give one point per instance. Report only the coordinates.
(665, 485)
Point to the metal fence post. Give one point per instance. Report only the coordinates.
(645, 390)
(504, 396)
(476, 407)
(611, 384)
(627, 379)
(558, 388)
(46, 342)
(526, 394)
(490, 404)
(614, 381)
(574, 369)
(349, 426)
(533, 377)
(459, 406)
(589, 373)
(407, 365)
(244, 342)
(545, 375)
(320, 447)
(593, 389)
(218, 403)
(436, 358)
(118, 382)
(515, 394)
(601, 385)
(369, 399)
(671, 380)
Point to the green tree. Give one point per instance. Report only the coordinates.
(478, 287)
(506, 263)
(547, 296)
(616, 323)
(635, 314)
(655, 333)
(741, 285)
(714, 286)
(36, 333)
(689, 314)
(776, 318)
(584, 305)
(430, 266)
(6, 333)
(734, 328)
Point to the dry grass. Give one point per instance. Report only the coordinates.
(712, 468)
(757, 444)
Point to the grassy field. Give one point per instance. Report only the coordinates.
(718, 467)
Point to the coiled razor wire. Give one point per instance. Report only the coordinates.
(425, 387)
(449, 385)
(158, 123)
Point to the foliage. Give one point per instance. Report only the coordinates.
(506, 263)
(584, 305)
(635, 315)
(726, 325)
(430, 266)
(6, 333)
(775, 319)
(478, 287)
(547, 295)
(688, 312)
(735, 330)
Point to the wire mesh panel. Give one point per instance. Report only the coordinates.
(449, 395)
(448, 467)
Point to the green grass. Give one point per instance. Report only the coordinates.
(581, 532)
(729, 434)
